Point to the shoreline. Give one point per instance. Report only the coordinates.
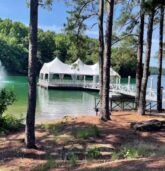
(85, 117)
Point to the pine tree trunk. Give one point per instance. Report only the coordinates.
(142, 100)
(139, 67)
(101, 46)
(30, 118)
(105, 112)
(159, 93)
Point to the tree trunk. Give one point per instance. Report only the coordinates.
(101, 46)
(139, 66)
(105, 112)
(159, 93)
(30, 118)
(142, 100)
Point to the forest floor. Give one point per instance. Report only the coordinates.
(86, 143)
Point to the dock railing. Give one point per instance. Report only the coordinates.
(129, 90)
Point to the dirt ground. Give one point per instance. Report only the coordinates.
(55, 139)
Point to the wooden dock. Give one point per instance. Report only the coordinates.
(120, 89)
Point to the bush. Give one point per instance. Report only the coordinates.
(7, 122)
(10, 123)
(6, 99)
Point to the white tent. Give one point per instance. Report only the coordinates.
(77, 68)
(79, 75)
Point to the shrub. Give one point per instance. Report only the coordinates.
(11, 123)
(6, 98)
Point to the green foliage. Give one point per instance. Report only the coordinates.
(154, 71)
(88, 132)
(6, 99)
(129, 152)
(127, 18)
(68, 47)
(46, 47)
(72, 158)
(14, 47)
(126, 152)
(124, 57)
(138, 149)
(93, 153)
(9, 123)
(76, 26)
(50, 164)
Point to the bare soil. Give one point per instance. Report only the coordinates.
(56, 139)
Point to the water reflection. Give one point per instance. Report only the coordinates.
(55, 103)
(58, 103)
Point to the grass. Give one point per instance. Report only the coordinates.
(105, 169)
(87, 132)
(63, 138)
(93, 153)
(50, 164)
(61, 133)
(72, 159)
(137, 150)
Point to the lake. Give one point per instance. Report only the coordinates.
(53, 103)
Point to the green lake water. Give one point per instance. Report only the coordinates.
(50, 103)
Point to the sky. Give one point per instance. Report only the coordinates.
(54, 19)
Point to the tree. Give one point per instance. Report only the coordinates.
(101, 46)
(30, 118)
(124, 57)
(76, 23)
(139, 66)
(159, 96)
(14, 47)
(142, 99)
(105, 112)
(46, 48)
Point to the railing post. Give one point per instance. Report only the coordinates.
(129, 81)
(119, 80)
(151, 83)
(84, 82)
(161, 95)
(116, 81)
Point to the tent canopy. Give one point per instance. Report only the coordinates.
(77, 68)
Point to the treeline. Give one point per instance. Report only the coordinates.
(154, 71)
(14, 49)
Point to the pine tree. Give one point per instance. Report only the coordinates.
(105, 111)
(30, 118)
